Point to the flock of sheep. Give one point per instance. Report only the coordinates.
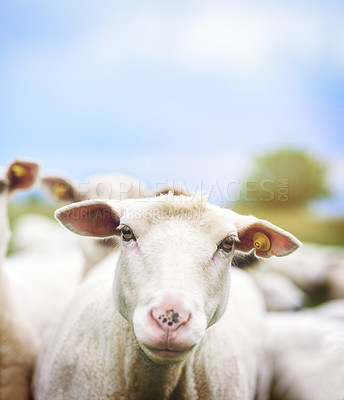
(143, 302)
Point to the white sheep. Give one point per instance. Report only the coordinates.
(65, 190)
(39, 234)
(18, 342)
(330, 309)
(161, 329)
(305, 358)
(317, 270)
(45, 268)
(279, 292)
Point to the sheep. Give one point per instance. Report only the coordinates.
(34, 233)
(304, 359)
(280, 293)
(330, 309)
(44, 270)
(18, 341)
(62, 188)
(317, 270)
(66, 190)
(160, 328)
(334, 281)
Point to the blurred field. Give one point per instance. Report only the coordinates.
(28, 205)
(301, 222)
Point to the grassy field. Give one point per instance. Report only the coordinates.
(302, 223)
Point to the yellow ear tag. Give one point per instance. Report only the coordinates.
(261, 241)
(59, 190)
(19, 171)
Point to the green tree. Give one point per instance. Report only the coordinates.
(287, 177)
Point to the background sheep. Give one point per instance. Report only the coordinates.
(330, 309)
(171, 284)
(44, 270)
(65, 190)
(18, 342)
(317, 270)
(305, 357)
(279, 292)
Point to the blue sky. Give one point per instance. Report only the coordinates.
(187, 91)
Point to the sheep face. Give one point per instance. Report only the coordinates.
(172, 278)
(172, 282)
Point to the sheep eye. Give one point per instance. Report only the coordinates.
(127, 234)
(226, 245)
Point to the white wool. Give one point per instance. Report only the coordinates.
(330, 309)
(99, 348)
(39, 234)
(116, 187)
(279, 292)
(110, 359)
(18, 340)
(305, 359)
(315, 269)
(45, 270)
(35, 284)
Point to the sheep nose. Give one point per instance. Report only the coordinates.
(170, 319)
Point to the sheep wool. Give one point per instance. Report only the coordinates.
(169, 318)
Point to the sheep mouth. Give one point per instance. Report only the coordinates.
(165, 355)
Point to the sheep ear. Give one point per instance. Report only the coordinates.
(22, 174)
(90, 218)
(60, 188)
(266, 238)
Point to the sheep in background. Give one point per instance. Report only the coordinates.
(65, 190)
(317, 270)
(44, 270)
(330, 309)
(279, 292)
(39, 234)
(161, 328)
(304, 359)
(18, 342)
(334, 281)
